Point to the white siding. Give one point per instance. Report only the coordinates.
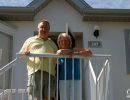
(59, 12)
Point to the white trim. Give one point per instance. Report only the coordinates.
(8, 24)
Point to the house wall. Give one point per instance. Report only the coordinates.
(7, 28)
(59, 12)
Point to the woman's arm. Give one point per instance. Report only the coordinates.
(83, 52)
(65, 52)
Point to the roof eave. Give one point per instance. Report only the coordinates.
(79, 5)
(111, 15)
(39, 4)
(27, 13)
(16, 13)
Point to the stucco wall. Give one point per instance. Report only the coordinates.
(112, 37)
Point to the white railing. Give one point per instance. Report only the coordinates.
(99, 84)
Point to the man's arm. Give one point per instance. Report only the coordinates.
(24, 48)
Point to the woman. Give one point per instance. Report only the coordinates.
(69, 69)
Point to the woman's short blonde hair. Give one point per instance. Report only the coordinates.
(64, 35)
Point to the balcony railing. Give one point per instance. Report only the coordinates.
(98, 87)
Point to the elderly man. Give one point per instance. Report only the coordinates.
(40, 43)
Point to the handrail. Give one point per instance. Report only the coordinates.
(55, 55)
(6, 67)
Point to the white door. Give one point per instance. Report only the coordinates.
(5, 56)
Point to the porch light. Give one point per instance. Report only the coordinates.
(96, 31)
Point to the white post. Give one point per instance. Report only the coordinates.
(20, 76)
(67, 28)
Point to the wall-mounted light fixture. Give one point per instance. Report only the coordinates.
(96, 31)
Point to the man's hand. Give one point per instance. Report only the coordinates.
(27, 53)
(24, 54)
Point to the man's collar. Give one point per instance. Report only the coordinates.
(36, 37)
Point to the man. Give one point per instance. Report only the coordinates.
(40, 43)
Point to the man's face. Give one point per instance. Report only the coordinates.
(64, 43)
(43, 29)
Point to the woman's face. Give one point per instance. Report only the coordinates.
(64, 43)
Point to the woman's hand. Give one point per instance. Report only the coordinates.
(83, 52)
(65, 52)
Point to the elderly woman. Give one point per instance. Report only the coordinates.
(71, 69)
